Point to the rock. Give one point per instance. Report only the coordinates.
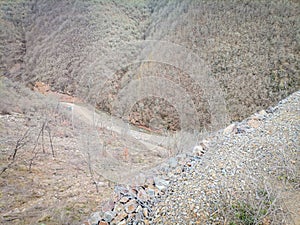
(95, 218)
(164, 167)
(109, 215)
(149, 181)
(108, 206)
(130, 206)
(137, 217)
(133, 191)
(232, 128)
(139, 209)
(124, 200)
(178, 170)
(173, 162)
(142, 195)
(181, 158)
(121, 216)
(118, 207)
(205, 144)
(262, 112)
(161, 184)
(198, 150)
(259, 116)
(102, 184)
(145, 212)
(123, 222)
(151, 192)
(103, 223)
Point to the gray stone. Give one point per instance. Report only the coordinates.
(109, 215)
(161, 184)
(95, 218)
(262, 112)
(123, 222)
(205, 144)
(108, 206)
(121, 216)
(118, 207)
(142, 195)
(198, 150)
(230, 129)
(151, 192)
(139, 209)
(173, 162)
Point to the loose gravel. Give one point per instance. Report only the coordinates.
(263, 151)
(247, 173)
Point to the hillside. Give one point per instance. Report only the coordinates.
(250, 50)
(88, 88)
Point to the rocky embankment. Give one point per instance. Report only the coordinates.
(246, 173)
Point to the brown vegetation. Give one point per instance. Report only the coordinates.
(79, 52)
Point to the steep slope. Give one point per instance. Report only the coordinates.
(247, 175)
(251, 50)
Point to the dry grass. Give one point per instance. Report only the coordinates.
(43, 181)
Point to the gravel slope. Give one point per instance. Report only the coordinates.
(247, 173)
(260, 161)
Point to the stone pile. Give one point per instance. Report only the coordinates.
(137, 204)
(133, 204)
(130, 204)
